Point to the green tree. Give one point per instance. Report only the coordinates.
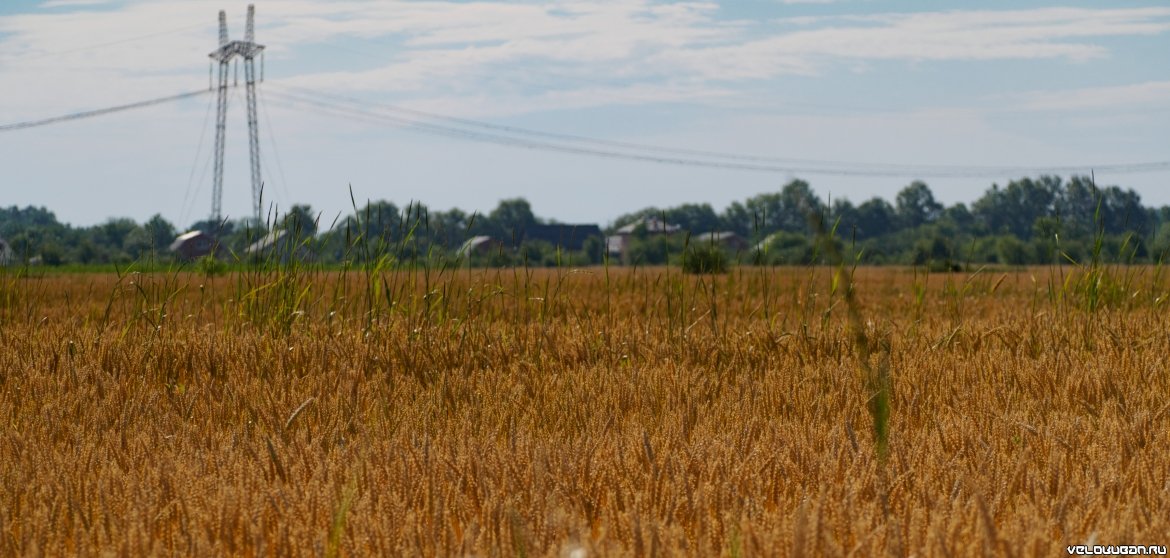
(916, 205)
(693, 217)
(450, 228)
(1160, 251)
(959, 217)
(160, 232)
(1011, 250)
(787, 210)
(371, 227)
(934, 252)
(844, 214)
(1077, 207)
(798, 204)
(1015, 208)
(111, 235)
(737, 218)
(300, 221)
(875, 218)
(788, 248)
(138, 245)
(650, 249)
(1122, 211)
(593, 248)
(512, 216)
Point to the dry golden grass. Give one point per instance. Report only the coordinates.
(619, 412)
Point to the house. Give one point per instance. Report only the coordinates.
(278, 243)
(564, 236)
(6, 256)
(617, 243)
(724, 239)
(653, 225)
(478, 245)
(193, 245)
(762, 246)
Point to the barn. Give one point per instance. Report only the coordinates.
(193, 245)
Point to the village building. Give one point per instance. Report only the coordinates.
(727, 240)
(279, 246)
(571, 237)
(617, 244)
(477, 245)
(193, 245)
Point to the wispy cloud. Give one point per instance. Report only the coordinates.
(448, 44)
(73, 3)
(570, 51)
(1139, 97)
(1068, 34)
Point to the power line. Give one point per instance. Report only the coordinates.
(574, 138)
(272, 142)
(99, 112)
(195, 163)
(699, 158)
(511, 136)
(365, 116)
(841, 166)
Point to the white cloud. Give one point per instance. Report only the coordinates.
(934, 36)
(453, 48)
(73, 3)
(580, 98)
(497, 60)
(1138, 96)
(560, 50)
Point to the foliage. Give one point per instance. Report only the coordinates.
(700, 258)
(1042, 220)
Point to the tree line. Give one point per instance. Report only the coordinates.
(1028, 221)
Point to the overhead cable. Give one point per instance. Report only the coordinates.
(350, 109)
(98, 112)
(574, 138)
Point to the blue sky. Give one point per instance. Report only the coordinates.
(861, 84)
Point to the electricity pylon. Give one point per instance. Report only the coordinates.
(246, 49)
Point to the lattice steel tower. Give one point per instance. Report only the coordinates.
(246, 49)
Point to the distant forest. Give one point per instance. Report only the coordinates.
(1029, 221)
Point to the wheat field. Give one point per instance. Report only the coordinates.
(584, 412)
